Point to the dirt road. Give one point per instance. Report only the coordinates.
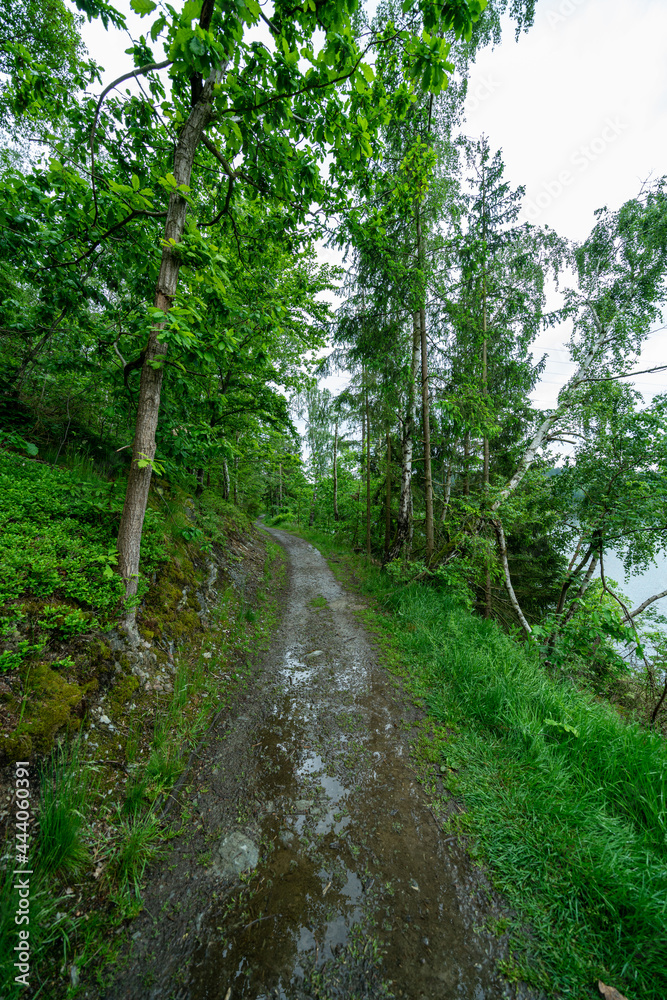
(356, 891)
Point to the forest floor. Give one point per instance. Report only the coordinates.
(311, 861)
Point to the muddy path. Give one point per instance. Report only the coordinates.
(311, 865)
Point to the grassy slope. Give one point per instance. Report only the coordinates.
(565, 802)
(97, 825)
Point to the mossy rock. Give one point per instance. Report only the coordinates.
(186, 623)
(50, 706)
(122, 691)
(18, 746)
(98, 650)
(162, 613)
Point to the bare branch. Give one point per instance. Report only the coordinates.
(139, 71)
(644, 371)
(642, 607)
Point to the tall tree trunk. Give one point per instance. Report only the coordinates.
(428, 478)
(311, 522)
(485, 393)
(361, 473)
(236, 468)
(387, 501)
(447, 487)
(404, 520)
(466, 464)
(335, 475)
(280, 484)
(143, 449)
(225, 480)
(486, 467)
(368, 477)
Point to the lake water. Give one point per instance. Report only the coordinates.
(641, 585)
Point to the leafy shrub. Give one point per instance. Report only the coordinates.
(10, 439)
(286, 517)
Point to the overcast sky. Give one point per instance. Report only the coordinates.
(579, 107)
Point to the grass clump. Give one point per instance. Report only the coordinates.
(137, 842)
(66, 785)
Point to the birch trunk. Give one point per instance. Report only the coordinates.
(225, 480)
(405, 501)
(426, 418)
(311, 521)
(502, 549)
(368, 479)
(387, 501)
(428, 477)
(236, 469)
(447, 483)
(335, 475)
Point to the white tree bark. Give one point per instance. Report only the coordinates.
(403, 531)
(502, 550)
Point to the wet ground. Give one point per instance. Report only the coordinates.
(315, 868)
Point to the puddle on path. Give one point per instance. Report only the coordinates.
(347, 838)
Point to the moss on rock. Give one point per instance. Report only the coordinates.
(50, 702)
(122, 691)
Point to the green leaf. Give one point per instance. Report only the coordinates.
(561, 725)
(143, 7)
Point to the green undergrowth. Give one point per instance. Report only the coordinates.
(565, 802)
(104, 813)
(57, 540)
(60, 593)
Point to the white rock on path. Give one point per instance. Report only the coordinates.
(237, 854)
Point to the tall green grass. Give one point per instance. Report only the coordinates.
(565, 801)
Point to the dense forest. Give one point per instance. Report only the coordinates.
(168, 326)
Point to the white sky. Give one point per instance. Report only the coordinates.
(579, 108)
